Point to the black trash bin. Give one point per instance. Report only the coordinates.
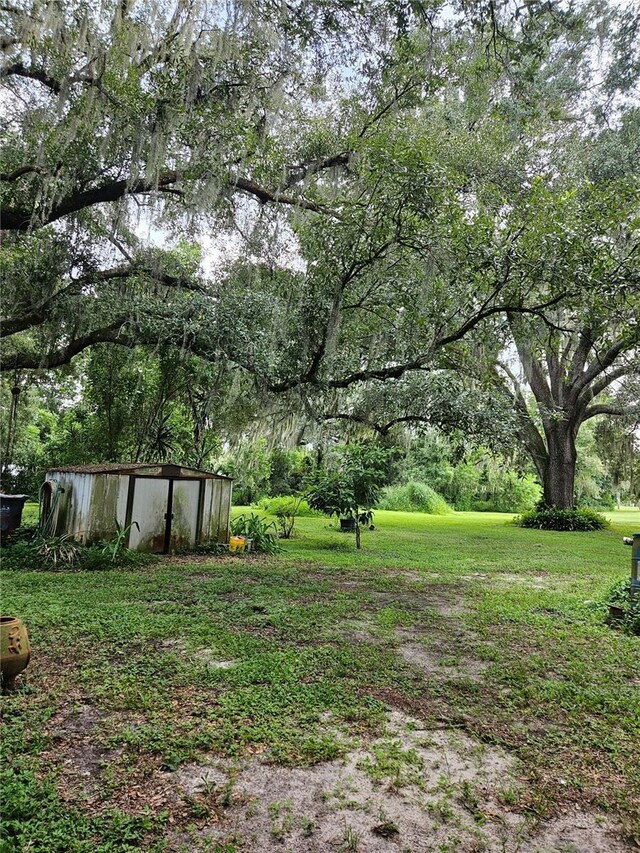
(11, 512)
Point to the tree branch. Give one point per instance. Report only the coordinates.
(21, 220)
(16, 219)
(18, 69)
(597, 387)
(304, 170)
(382, 429)
(8, 177)
(37, 315)
(56, 358)
(270, 196)
(603, 409)
(531, 366)
(529, 432)
(581, 353)
(599, 365)
(395, 371)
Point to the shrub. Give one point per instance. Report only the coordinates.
(620, 596)
(286, 509)
(413, 497)
(263, 532)
(549, 518)
(276, 506)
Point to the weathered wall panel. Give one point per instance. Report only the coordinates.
(73, 504)
(225, 510)
(217, 507)
(185, 513)
(206, 511)
(215, 510)
(101, 522)
(121, 503)
(148, 515)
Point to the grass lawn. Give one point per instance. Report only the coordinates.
(451, 687)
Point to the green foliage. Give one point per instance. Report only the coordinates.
(333, 494)
(506, 491)
(250, 467)
(142, 406)
(351, 486)
(593, 483)
(619, 596)
(259, 471)
(469, 478)
(34, 552)
(563, 519)
(261, 531)
(116, 546)
(290, 470)
(286, 503)
(413, 497)
(351, 482)
(57, 551)
(286, 509)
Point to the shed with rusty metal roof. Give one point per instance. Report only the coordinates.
(160, 506)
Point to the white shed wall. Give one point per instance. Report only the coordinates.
(92, 505)
(217, 509)
(72, 510)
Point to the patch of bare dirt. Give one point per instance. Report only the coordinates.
(195, 779)
(445, 781)
(451, 609)
(418, 577)
(78, 751)
(576, 832)
(174, 644)
(437, 599)
(359, 630)
(440, 658)
(413, 789)
(431, 662)
(212, 660)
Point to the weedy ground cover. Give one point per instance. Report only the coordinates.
(454, 680)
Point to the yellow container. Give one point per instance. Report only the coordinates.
(237, 543)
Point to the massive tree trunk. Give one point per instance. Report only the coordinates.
(559, 476)
(565, 373)
(555, 459)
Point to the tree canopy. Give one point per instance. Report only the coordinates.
(325, 197)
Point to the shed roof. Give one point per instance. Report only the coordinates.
(147, 469)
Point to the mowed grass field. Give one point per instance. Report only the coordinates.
(450, 687)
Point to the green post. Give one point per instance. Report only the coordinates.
(635, 564)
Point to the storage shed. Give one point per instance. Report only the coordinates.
(162, 506)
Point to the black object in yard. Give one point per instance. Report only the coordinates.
(347, 524)
(616, 613)
(11, 512)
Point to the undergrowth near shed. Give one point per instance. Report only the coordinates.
(61, 553)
